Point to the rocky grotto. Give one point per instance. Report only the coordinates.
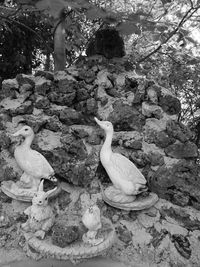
(61, 108)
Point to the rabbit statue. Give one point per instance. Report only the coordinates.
(40, 214)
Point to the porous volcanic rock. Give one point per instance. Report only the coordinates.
(63, 235)
(178, 183)
(125, 117)
(170, 104)
(61, 108)
(182, 150)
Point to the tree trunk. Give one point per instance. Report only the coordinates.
(59, 47)
(47, 62)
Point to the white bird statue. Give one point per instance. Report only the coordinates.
(125, 176)
(34, 164)
(92, 221)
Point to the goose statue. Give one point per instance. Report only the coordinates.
(34, 164)
(128, 181)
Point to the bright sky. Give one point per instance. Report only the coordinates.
(196, 35)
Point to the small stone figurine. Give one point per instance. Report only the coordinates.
(128, 181)
(92, 221)
(40, 214)
(34, 166)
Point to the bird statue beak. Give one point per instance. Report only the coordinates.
(17, 133)
(98, 122)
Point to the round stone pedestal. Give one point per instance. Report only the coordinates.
(117, 200)
(12, 190)
(77, 250)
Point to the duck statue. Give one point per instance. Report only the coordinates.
(34, 167)
(128, 181)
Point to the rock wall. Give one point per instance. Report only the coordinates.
(61, 110)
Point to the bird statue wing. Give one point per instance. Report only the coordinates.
(127, 169)
(37, 165)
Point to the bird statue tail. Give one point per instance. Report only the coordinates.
(53, 178)
(142, 188)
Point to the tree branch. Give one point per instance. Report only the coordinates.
(187, 15)
(29, 29)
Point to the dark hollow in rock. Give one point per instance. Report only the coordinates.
(178, 131)
(46, 74)
(180, 198)
(130, 85)
(107, 42)
(181, 217)
(24, 79)
(102, 174)
(163, 140)
(157, 236)
(5, 141)
(182, 150)
(124, 234)
(42, 103)
(182, 179)
(182, 245)
(70, 116)
(125, 117)
(63, 235)
(62, 98)
(171, 105)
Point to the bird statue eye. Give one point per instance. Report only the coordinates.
(26, 129)
(45, 198)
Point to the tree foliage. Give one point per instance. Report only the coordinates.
(159, 36)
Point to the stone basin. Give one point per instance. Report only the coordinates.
(96, 262)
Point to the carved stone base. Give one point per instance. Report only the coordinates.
(77, 250)
(14, 191)
(116, 199)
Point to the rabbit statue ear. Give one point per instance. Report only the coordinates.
(40, 188)
(51, 191)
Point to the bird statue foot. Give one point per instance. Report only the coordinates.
(90, 239)
(117, 195)
(23, 185)
(40, 234)
(114, 198)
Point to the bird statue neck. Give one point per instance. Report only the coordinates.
(28, 141)
(108, 142)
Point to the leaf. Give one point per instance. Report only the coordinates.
(53, 7)
(164, 2)
(184, 31)
(134, 17)
(148, 25)
(94, 13)
(156, 37)
(193, 61)
(127, 28)
(110, 19)
(191, 40)
(25, 2)
(78, 4)
(161, 28)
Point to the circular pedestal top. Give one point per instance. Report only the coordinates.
(22, 194)
(139, 203)
(77, 250)
(97, 262)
